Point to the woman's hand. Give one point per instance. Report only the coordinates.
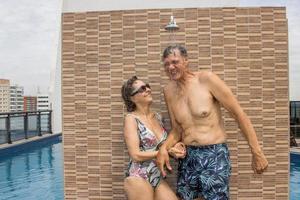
(178, 150)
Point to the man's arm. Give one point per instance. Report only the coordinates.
(178, 150)
(224, 95)
(174, 136)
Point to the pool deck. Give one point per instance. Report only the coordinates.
(24, 141)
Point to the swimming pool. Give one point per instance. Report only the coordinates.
(34, 171)
(37, 172)
(295, 176)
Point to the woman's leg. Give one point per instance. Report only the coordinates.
(138, 189)
(164, 192)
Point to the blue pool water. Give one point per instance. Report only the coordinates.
(37, 173)
(34, 173)
(295, 177)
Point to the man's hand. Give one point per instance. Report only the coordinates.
(259, 162)
(162, 160)
(178, 150)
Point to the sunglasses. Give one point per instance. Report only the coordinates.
(141, 89)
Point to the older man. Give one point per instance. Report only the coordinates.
(194, 102)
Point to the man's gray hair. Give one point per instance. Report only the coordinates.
(171, 50)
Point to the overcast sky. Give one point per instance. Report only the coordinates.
(29, 32)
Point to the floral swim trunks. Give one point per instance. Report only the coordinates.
(204, 172)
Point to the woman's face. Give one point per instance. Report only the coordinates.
(141, 92)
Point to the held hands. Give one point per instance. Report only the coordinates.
(178, 150)
(163, 159)
(259, 162)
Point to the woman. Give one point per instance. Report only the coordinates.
(144, 133)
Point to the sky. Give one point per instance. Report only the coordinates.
(29, 31)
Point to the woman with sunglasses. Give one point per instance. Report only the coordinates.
(144, 133)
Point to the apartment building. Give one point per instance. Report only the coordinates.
(16, 98)
(30, 103)
(4, 95)
(43, 102)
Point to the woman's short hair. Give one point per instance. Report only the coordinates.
(126, 91)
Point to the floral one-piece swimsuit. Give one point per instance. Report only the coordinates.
(148, 169)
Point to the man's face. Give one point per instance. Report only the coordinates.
(175, 65)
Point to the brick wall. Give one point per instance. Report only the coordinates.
(246, 47)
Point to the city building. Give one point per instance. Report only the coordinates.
(30, 103)
(43, 102)
(4, 95)
(16, 98)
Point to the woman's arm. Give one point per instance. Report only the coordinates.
(132, 141)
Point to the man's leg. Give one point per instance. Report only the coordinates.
(188, 187)
(215, 178)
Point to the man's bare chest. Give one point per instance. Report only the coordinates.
(191, 104)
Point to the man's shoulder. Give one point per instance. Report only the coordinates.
(205, 75)
(211, 80)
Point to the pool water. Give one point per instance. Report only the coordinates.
(34, 173)
(295, 176)
(37, 173)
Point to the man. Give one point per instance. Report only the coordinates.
(193, 100)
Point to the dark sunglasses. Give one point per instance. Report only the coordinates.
(141, 89)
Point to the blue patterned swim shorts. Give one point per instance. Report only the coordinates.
(205, 173)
